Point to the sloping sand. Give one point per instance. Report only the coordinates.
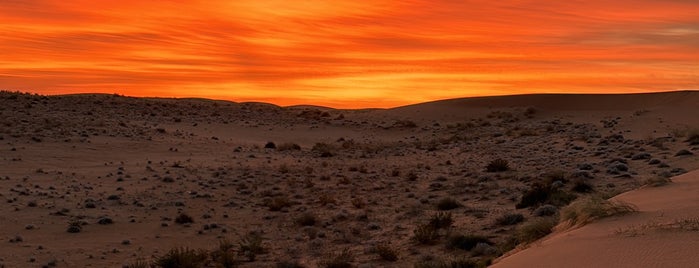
(664, 233)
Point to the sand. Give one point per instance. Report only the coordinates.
(367, 177)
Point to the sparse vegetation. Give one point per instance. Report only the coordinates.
(498, 165)
(466, 242)
(306, 219)
(386, 252)
(343, 259)
(536, 229)
(425, 234)
(447, 203)
(540, 194)
(590, 208)
(183, 218)
(510, 219)
(182, 258)
(441, 220)
(657, 181)
(251, 246)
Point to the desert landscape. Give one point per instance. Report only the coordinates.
(101, 180)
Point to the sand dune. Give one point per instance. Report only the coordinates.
(97, 180)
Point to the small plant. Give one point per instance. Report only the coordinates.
(510, 219)
(441, 220)
(657, 181)
(425, 234)
(74, 226)
(277, 203)
(306, 219)
(540, 194)
(693, 137)
(288, 264)
(582, 186)
(358, 203)
(498, 165)
(184, 219)
(251, 246)
(288, 147)
(182, 257)
(466, 242)
(138, 264)
(343, 259)
(536, 229)
(461, 262)
(224, 256)
(588, 209)
(447, 203)
(386, 252)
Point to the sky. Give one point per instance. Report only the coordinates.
(347, 53)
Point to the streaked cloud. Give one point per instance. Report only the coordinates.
(347, 53)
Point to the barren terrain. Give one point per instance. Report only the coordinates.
(107, 180)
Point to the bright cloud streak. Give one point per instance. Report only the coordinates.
(347, 53)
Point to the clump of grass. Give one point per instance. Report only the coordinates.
(288, 264)
(466, 242)
(277, 203)
(510, 219)
(460, 262)
(224, 256)
(447, 203)
(582, 186)
(387, 252)
(536, 229)
(425, 234)
(343, 259)
(441, 220)
(324, 149)
(657, 181)
(288, 146)
(498, 165)
(182, 257)
(184, 219)
(693, 137)
(590, 208)
(138, 264)
(251, 245)
(540, 194)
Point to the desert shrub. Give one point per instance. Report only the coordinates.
(74, 226)
(466, 242)
(693, 137)
(182, 258)
(288, 146)
(251, 245)
(306, 219)
(277, 203)
(657, 181)
(510, 219)
(441, 220)
(542, 194)
(184, 219)
(138, 264)
(593, 207)
(225, 256)
(323, 149)
(447, 203)
(498, 165)
(536, 229)
(343, 259)
(270, 145)
(582, 186)
(545, 210)
(386, 252)
(425, 234)
(358, 202)
(453, 263)
(288, 264)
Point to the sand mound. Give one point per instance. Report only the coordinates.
(664, 233)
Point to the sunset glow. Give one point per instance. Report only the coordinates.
(347, 53)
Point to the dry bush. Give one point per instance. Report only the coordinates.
(447, 203)
(693, 137)
(509, 219)
(277, 203)
(466, 242)
(182, 258)
(590, 208)
(536, 229)
(425, 234)
(441, 220)
(251, 245)
(306, 219)
(387, 252)
(343, 259)
(498, 165)
(224, 256)
(657, 181)
(288, 146)
(184, 219)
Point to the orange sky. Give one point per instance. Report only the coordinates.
(347, 53)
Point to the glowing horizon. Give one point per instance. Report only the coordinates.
(347, 54)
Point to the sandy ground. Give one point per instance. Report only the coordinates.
(367, 177)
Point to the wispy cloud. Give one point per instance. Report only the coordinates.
(347, 53)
